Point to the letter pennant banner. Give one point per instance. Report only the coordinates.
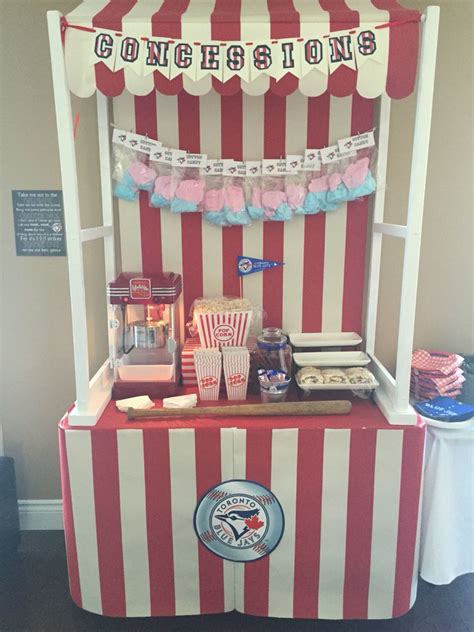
(247, 60)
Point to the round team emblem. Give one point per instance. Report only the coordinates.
(245, 266)
(239, 520)
(223, 333)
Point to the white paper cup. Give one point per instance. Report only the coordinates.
(208, 372)
(236, 362)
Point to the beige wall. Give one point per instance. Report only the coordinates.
(36, 346)
(36, 369)
(444, 314)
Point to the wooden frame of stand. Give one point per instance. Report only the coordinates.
(392, 396)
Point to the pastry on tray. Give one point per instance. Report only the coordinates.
(309, 375)
(359, 375)
(334, 376)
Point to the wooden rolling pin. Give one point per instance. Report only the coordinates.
(287, 409)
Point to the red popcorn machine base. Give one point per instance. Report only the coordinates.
(154, 390)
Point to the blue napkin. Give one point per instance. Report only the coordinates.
(445, 409)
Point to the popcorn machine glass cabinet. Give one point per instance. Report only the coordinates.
(144, 335)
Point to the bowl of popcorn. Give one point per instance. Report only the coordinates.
(222, 322)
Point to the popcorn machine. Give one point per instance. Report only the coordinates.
(144, 344)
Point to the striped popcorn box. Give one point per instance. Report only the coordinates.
(222, 329)
(188, 371)
(236, 361)
(208, 364)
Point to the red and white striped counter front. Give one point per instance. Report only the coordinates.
(349, 488)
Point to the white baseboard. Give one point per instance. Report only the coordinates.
(40, 515)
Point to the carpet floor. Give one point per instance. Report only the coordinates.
(34, 597)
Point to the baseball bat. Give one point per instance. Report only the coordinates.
(288, 409)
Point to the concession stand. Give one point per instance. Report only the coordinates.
(316, 516)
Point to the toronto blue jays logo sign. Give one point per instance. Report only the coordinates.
(240, 521)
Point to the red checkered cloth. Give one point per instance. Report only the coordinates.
(422, 394)
(426, 380)
(435, 363)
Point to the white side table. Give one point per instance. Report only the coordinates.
(447, 519)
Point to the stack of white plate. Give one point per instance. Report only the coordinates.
(330, 359)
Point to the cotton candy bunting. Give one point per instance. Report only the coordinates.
(238, 202)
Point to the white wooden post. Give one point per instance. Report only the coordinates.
(67, 155)
(103, 121)
(416, 198)
(379, 207)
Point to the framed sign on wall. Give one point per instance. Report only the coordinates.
(39, 223)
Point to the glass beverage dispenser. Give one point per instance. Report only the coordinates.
(144, 334)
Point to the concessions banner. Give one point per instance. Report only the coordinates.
(247, 60)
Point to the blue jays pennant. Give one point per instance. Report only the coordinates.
(249, 265)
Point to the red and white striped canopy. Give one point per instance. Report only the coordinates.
(246, 20)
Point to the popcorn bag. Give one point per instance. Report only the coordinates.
(236, 362)
(222, 322)
(295, 183)
(189, 193)
(253, 189)
(358, 177)
(274, 197)
(208, 363)
(213, 203)
(165, 183)
(235, 208)
(131, 172)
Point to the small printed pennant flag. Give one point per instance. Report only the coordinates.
(249, 265)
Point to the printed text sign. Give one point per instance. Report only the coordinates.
(39, 223)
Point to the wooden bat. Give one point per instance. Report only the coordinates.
(288, 409)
